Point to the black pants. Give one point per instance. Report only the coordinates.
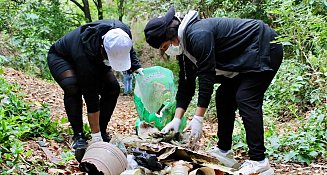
(64, 73)
(245, 92)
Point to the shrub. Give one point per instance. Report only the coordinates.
(19, 122)
(303, 143)
(33, 27)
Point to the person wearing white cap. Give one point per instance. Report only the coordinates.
(82, 63)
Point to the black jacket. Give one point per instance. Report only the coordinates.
(81, 47)
(236, 45)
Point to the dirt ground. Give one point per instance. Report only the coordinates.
(38, 91)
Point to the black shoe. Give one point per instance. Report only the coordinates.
(79, 154)
(105, 137)
(79, 145)
(79, 141)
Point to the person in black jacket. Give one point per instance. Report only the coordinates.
(238, 54)
(82, 63)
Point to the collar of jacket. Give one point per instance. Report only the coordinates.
(189, 18)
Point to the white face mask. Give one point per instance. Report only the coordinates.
(174, 50)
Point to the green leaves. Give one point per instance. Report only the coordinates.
(32, 26)
(275, 142)
(289, 156)
(304, 143)
(18, 121)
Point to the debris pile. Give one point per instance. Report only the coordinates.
(156, 153)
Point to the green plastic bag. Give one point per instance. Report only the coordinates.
(154, 97)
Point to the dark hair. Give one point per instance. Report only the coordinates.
(172, 29)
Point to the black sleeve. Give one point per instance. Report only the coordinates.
(134, 60)
(60, 47)
(186, 82)
(203, 49)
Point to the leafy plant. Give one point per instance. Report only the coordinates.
(18, 122)
(303, 30)
(240, 9)
(33, 27)
(303, 143)
(285, 96)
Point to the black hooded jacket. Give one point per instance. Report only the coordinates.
(228, 44)
(82, 49)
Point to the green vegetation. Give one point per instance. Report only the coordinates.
(19, 123)
(295, 104)
(299, 91)
(302, 143)
(31, 28)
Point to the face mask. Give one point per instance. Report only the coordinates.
(174, 50)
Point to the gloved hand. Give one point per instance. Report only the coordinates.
(196, 129)
(139, 71)
(174, 124)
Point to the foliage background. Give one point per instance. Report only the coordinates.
(295, 105)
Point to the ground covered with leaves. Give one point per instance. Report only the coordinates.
(122, 122)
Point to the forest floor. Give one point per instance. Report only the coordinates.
(38, 91)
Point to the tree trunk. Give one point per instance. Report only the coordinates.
(99, 7)
(98, 4)
(121, 9)
(86, 10)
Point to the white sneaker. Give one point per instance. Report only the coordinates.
(253, 167)
(95, 138)
(227, 159)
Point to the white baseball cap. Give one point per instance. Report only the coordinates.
(118, 45)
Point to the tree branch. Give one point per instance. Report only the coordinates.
(96, 4)
(78, 5)
(18, 1)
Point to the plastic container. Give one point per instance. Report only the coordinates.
(103, 157)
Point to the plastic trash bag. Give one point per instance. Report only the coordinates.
(154, 97)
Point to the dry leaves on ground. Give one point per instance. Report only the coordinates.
(123, 120)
